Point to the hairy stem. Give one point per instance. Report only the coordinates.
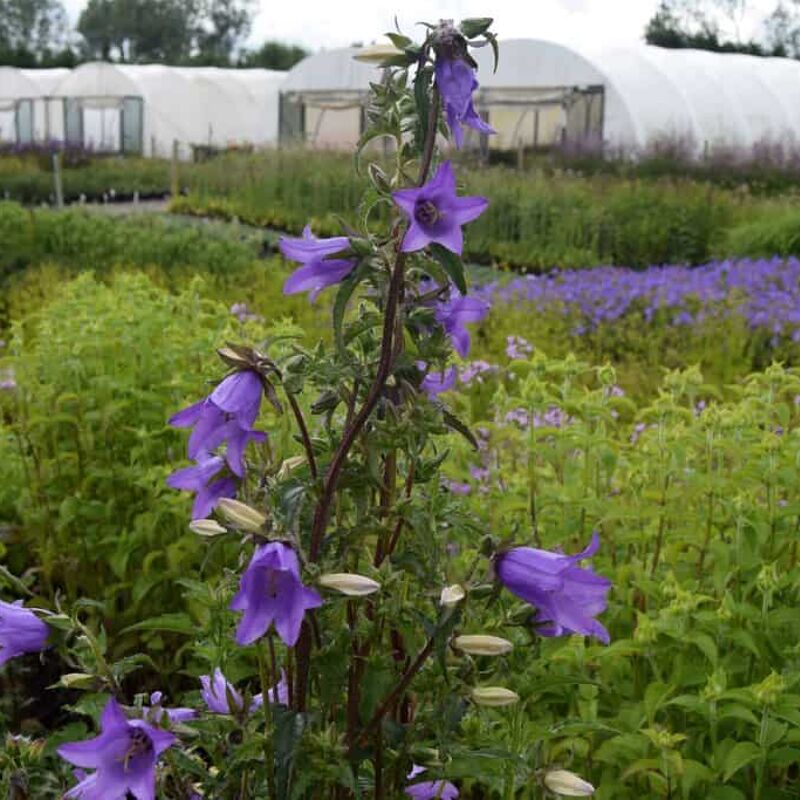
(301, 424)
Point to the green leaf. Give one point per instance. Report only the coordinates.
(346, 289)
(457, 425)
(475, 26)
(173, 623)
(740, 755)
(400, 41)
(492, 39)
(452, 265)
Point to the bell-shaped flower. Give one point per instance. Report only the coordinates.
(227, 415)
(429, 790)
(455, 313)
(436, 213)
(221, 697)
(456, 81)
(21, 631)
(156, 711)
(124, 757)
(434, 383)
(271, 591)
(567, 597)
(319, 270)
(199, 479)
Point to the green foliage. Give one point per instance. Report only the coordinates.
(98, 370)
(773, 233)
(696, 696)
(534, 221)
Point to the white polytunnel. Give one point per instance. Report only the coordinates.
(26, 113)
(141, 109)
(545, 93)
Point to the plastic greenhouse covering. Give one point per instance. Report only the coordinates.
(545, 93)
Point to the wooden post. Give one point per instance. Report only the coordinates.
(520, 154)
(153, 147)
(174, 183)
(57, 184)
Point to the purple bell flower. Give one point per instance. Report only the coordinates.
(436, 213)
(456, 81)
(567, 597)
(124, 758)
(435, 383)
(455, 314)
(318, 270)
(219, 693)
(198, 478)
(155, 712)
(271, 591)
(429, 790)
(21, 631)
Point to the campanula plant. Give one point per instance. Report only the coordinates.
(365, 625)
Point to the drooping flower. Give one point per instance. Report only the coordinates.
(435, 383)
(271, 591)
(21, 631)
(124, 758)
(455, 313)
(567, 597)
(436, 213)
(226, 415)
(155, 712)
(219, 694)
(457, 81)
(199, 479)
(429, 790)
(319, 270)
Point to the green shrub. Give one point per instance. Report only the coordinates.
(774, 232)
(85, 448)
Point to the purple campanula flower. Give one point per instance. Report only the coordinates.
(319, 270)
(219, 694)
(21, 631)
(456, 81)
(226, 415)
(155, 712)
(567, 597)
(455, 313)
(434, 383)
(124, 758)
(271, 591)
(199, 479)
(429, 790)
(436, 213)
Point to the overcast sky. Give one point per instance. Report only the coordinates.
(325, 23)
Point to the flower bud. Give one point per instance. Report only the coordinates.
(479, 645)
(349, 583)
(242, 515)
(206, 527)
(494, 696)
(376, 53)
(290, 465)
(452, 595)
(567, 784)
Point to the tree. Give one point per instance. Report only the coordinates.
(782, 29)
(712, 25)
(31, 30)
(274, 55)
(224, 24)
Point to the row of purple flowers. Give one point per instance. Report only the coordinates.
(763, 292)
